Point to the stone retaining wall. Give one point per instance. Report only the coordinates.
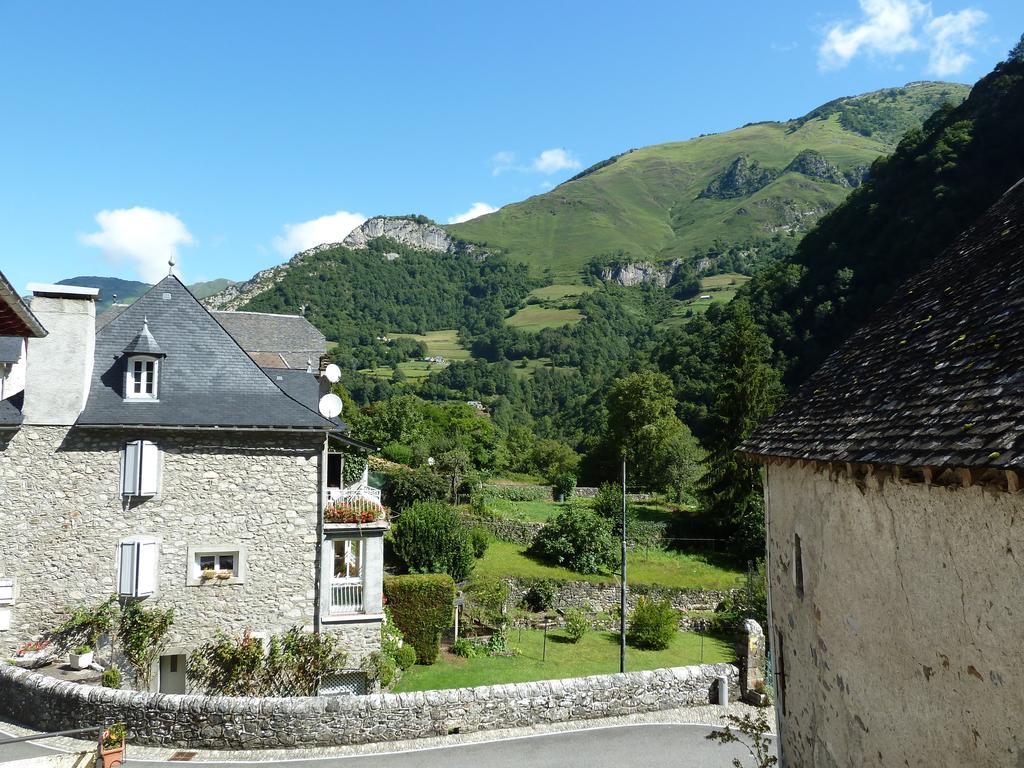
(219, 722)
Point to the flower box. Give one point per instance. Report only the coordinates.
(81, 660)
(356, 512)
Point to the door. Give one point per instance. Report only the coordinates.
(172, 673)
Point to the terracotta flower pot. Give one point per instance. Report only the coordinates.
(112, 756)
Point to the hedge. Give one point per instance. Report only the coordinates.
(518, 492)
(422, 607)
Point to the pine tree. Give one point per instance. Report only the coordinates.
(747, 390)
(1017, 52)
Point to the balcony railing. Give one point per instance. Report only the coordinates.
(346, 596)
(362, 493)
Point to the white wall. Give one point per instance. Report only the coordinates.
(60, 364)
(908, 644)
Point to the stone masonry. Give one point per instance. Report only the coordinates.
(251, 723)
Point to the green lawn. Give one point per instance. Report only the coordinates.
(536, 317)
(444, 343)
(560, 291)
(542, 511)
(669, 569)
(597, 653)
(414, 370)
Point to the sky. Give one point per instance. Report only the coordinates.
(231, 135)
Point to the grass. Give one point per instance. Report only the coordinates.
(444, 343)
(721, 288)
(560, 291)
(596, 654)
(542, 511)
(414, 370)
(669, 569)
(536, 317)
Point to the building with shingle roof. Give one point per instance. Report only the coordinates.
(275, 341)
(893, 509)
(153, 457)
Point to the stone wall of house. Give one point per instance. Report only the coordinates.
(250, 723)
(904, 646)
(62, 515)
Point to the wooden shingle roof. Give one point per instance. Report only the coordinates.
(936, 378)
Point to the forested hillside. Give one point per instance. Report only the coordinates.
(692, 199)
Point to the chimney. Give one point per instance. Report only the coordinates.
(59, 367)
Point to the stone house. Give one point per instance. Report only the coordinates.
(892, 486)
(153, 458)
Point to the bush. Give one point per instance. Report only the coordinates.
(430, 537)
(111, 678)
(484, 603)
(422, 607)
(380, 667)
(480, 540)
(517, 492)
(398, 453)
(465, 648)
(576, 624)
(608, 506)
(405, 488)
(541, 595)
(406, 656)
(564, 485)
(577, 539)
(653, 624)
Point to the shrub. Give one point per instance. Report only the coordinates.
(142, 633)
(406, 656)
(405, 488)
(380, 667)
(518, 492)
(541, 595)
(465, 648)
(111, 678)
(429, 537)
(398, 453)
(563, 485)
(485, 602)
(480, 540)
(421, 606)
(653, 624)
(577, 539)
(576, 624)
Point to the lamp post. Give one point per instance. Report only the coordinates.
(622, 583)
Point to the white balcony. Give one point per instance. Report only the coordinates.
(346, 596)
(355, 494)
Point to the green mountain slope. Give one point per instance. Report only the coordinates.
(128, 291)
(676, 200)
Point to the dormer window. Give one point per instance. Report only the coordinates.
(142, 377)
(142, 366)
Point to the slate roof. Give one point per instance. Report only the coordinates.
(936, 377)
(104, 318)
(275, 341)
(10, 349)
(206, 379)
(144, 343)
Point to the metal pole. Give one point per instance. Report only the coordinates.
(544, 656)
(622, 584)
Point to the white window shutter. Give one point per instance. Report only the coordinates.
(147, 579)
(130, 468)
(149, 469)
(127, 567)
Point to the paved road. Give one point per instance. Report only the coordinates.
(666, 745)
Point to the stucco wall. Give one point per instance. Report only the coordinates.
(906, 646)
(247, 723)
(61, 517)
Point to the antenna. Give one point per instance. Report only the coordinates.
(170, 264)
(332, 373)
(330, 406)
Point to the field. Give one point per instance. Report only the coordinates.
(670, 569)
(414, 370)
(443, 343)
(537, 317)
(597, 653)
(721, 288)
(560, 291)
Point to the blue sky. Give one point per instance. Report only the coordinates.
(234, 134)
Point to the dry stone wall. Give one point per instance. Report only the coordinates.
(212, 722)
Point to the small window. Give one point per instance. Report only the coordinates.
(140, 469)
(137, 567)
(141, 378)
(780, 670)
(348, 558)
(215, 563)
(798, 565)
(334, 470)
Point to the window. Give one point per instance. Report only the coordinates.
(137, 566)
(348, 558)
(140, 469)
(798, 565)
(334, 470)
(215, 563)
(141, 378)
(780, 670)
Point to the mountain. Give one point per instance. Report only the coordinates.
(696, 198)
(128, 291)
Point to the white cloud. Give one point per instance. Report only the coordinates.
(949, 33)
(891, 27)
(502, 161)
(888, 27)
(476, 209)
(554, 160)
(546, 184)
(145, 237)
(306, 234)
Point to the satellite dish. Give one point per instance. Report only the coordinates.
(330, 406)
(332, 373)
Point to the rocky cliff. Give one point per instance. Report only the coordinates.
(641, 273)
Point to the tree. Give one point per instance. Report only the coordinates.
(1017, 52)
(747, 389)
(643, 427)
(429, 537)
(577, 539)
(754, 733)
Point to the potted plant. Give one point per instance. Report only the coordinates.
(81, 657)
(224, 575)
(207, 574)
(112, 745)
